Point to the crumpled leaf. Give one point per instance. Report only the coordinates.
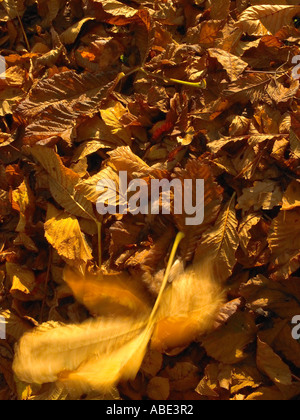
(262, 293)
(263, 195)
(232, 64)
(69, 35)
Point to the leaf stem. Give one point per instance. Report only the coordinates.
(176, 244)
(99, 228)
(46, 284)
(23, 32)
(199, 85)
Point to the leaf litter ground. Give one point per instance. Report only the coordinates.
(164, 89)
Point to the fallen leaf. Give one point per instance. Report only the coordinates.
(63, 232)
(272, 365)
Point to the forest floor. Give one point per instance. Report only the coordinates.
(133, 304)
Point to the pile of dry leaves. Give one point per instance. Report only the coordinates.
(162, 89)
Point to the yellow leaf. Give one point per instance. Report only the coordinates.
(24, 286)
(291, 198)
(266, 19)
(63, 232)
(158, 389)
(14, 76)
(69, 35)
(227, 345)
(232, 64)
(123, 158)
(219, 243)
(24, 199)
(94, 355)
(73, 349)
(108, 294)
(62, 182)
(117, 8)
(271, 364)
(189, 308)
(112, 117)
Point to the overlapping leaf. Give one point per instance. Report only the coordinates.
(58, 101)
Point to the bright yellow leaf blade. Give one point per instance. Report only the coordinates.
(188, 309)
(110, 294)
(266, 19)
(67, 347)
(63, 232)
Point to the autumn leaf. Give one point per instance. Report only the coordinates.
(265, 195)
(181, 323)
(250, 87)
(283, 241)
(117, 8)
(220, 243)
(100, 336)
(291, 196)
(74, 95)
(69, 35)
(194, 93)
(264, 294)
(108, 294)
(14, 8)
(212, 200)
(228, 344)
(112, 118)
(114, 349)
(24, 285)
(266, 19)
(232, 64)
(62, 183)
(23, 201)
(15, 326)
(63, 232)
(271, 364)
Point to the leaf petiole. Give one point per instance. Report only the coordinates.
(180, 236)
(99, 228)
(199, 85)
